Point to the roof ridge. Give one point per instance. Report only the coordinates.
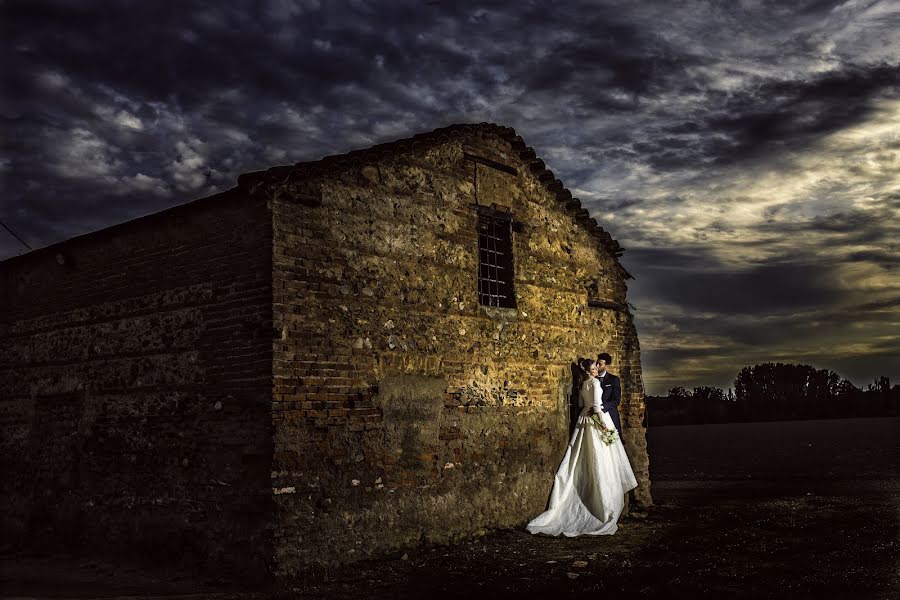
(252, 182)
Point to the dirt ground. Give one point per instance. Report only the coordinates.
(801, 509)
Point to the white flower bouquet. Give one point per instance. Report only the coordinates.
(607, 436)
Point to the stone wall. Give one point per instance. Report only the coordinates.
(298, 372)
(135, 388)
(402, 409)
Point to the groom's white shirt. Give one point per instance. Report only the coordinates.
(600, 379)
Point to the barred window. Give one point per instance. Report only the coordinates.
(495, 260)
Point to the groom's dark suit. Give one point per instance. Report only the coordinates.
(612, 395)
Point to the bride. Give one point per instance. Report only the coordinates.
(590, 486)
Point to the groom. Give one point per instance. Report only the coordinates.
(612, 390)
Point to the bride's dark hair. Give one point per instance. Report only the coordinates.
(584, 368)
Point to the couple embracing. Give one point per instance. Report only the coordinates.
(590, 485)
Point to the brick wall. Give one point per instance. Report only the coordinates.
(135, 388)
(402, 410)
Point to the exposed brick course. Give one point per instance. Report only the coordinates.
(136, 386)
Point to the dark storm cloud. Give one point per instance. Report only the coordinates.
(774, 116)
(105, 92)
(668, 122)
(673, 355)
(182, 52)
(709, 319)
(718, 344)
(689, 280)
(187, 55)
(608, 54)
(877, 230)
(794, 113)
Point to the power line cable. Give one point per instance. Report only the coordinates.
(15, 235)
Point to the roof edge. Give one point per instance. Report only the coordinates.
(118, 227)
(259, 181)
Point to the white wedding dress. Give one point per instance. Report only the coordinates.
(590, 485)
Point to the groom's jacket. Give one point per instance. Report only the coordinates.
(612, 392)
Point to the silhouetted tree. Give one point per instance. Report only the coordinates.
(679, 392)
(878, 395)
(881, 385)
(708, 405)
(775, 391)
(772, 391)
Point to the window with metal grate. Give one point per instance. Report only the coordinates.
(495, 261)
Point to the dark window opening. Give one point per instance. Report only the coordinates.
(495, 261)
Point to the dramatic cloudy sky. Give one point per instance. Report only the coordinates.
(745, 153)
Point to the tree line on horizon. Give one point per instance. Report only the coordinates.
(774, 392)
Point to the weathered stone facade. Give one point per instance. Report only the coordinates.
(299, 372)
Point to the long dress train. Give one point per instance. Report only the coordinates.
(590, 485)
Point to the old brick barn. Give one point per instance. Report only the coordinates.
(331, 361)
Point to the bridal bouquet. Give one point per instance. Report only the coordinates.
(607, 436)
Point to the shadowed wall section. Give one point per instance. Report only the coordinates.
(136, 382)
